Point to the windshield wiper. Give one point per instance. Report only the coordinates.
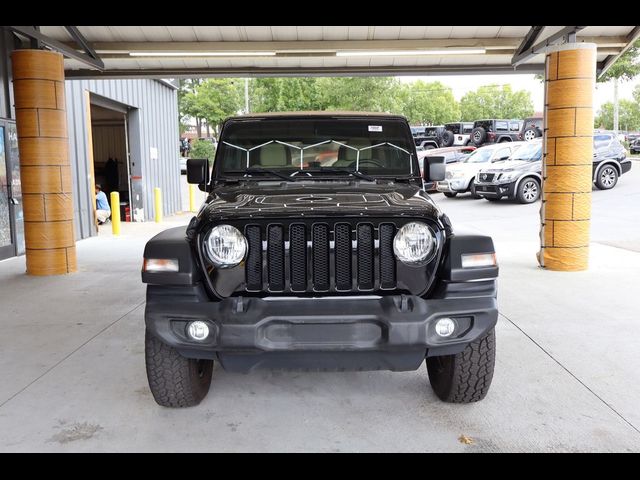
(265, 171)
(355, 173)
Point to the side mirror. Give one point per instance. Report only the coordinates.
(434, 168)
(198, 172)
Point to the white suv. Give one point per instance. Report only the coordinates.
(459, 177)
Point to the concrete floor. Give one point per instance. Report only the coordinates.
(567, 375)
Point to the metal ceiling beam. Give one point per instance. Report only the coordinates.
(61, 47)
(83, 42)
(244, 72)
(565, 33)
(630, 40)
(531, 36)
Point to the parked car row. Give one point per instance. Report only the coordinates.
(514, 170)
(478, 133)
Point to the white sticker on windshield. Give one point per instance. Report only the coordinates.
(375, 128)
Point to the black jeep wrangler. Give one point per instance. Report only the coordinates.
(429, 138)
(318, 249)
(495, 131)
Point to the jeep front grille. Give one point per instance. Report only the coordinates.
(320, 257)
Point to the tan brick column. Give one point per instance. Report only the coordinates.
(38, 83)
(568, 156)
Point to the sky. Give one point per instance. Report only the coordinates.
(461, 84)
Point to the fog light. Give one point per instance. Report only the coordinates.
(445, 327)
(198, 330)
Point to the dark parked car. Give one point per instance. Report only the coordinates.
(430, 137)
(531, 128)
(495, 131)
(458, 133)
(634, 146)
(520, 177)
(609, 160)
(347, 267)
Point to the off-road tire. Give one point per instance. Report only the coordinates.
(174, 380)
(478, 136)
(450, 194)
(447, 138)
(531, 132)
(466, 376)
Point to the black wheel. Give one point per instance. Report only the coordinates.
(478, 136)
(528, 190)
(466, 376)
(502, 140)
(175, 381)
(447, 138)
(607, 177)
(531, 132)
(450, 194)
(492, 199)
(472, 189)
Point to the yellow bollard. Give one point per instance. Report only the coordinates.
(157, 194)
(115, 213)
(192, 198)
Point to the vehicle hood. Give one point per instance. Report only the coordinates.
(318, 198)
(510, 165)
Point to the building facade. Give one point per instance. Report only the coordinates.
(123, 134)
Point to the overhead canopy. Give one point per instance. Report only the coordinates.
(185, 51)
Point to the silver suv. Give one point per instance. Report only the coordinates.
(519, 177)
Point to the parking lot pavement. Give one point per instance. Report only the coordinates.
(567, 375)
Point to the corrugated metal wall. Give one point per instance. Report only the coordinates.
(153, 124)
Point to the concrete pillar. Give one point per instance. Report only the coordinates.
(38, 83)
(568, 156)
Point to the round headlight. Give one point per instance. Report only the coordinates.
(226, 246)
(413, 243)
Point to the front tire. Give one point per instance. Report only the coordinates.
(174, 380)
(607, 178)
(450, 194)
(528, 191)
(472, 189)
(466, 376)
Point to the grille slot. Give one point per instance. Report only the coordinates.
(342, 233)
(387, 258)
(298, 257)
(275, 257)
(365, 257)
(320, 248)
(253, 264)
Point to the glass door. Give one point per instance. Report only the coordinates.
(7, 248)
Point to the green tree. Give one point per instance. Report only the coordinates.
(428, 103)
(495, 101)
(202, 149)
(625, 68)
(284, 94)
(636, 94)
(213, 100)
(372, 94)
(629, 115)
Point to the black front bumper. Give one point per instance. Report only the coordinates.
(394, 332)
(495, 190)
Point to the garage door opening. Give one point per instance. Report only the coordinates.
(111, 154)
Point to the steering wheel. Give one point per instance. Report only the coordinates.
(369, 161)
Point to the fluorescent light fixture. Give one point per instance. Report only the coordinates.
(202, 54)
(397, 53)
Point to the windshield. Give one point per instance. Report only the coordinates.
(529, 152)
(299, 147)
(479, 156)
